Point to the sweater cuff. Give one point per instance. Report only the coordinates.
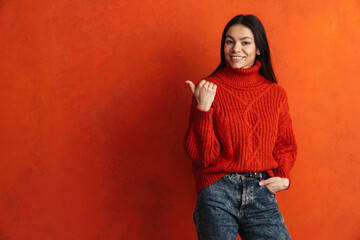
(202, 118)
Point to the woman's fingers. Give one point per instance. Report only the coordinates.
(206, 84)
(202, 82)
(213, 86)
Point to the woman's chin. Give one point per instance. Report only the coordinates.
(238, 65)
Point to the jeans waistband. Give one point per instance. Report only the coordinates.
(260, 175)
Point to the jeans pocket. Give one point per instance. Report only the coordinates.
(213, 185)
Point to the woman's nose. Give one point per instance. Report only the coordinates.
(237, 47)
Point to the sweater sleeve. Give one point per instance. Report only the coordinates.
(285, 149)
(200, 142)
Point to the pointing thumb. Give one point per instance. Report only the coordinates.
(191, 85)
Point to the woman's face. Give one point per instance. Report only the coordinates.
(239, 48)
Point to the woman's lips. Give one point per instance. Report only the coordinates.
(235, 59)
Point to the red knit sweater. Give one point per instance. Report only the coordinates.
(247, 129)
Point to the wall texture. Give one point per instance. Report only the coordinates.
(94, 107)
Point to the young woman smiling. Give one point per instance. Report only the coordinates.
(240, 140)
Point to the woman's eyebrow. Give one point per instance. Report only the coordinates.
(240, 38)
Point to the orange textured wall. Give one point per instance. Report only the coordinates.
(94, 107)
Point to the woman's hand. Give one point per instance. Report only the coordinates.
(275, 184)
(204, 93)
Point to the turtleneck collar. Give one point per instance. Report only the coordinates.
(242, 78)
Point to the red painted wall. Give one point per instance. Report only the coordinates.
(94, 107)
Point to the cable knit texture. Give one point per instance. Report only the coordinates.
(247, 129)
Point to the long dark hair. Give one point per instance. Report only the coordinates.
(261, 42)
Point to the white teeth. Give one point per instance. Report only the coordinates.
(238, 58)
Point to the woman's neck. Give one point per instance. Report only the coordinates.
(242, 78)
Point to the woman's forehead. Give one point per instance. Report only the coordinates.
(239, 32)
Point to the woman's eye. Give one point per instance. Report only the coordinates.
(245, 43)
(228, 42)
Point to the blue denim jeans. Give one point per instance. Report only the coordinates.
(238, 204)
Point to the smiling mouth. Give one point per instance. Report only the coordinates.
(236, 58)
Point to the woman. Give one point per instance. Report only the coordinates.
(240, 140)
